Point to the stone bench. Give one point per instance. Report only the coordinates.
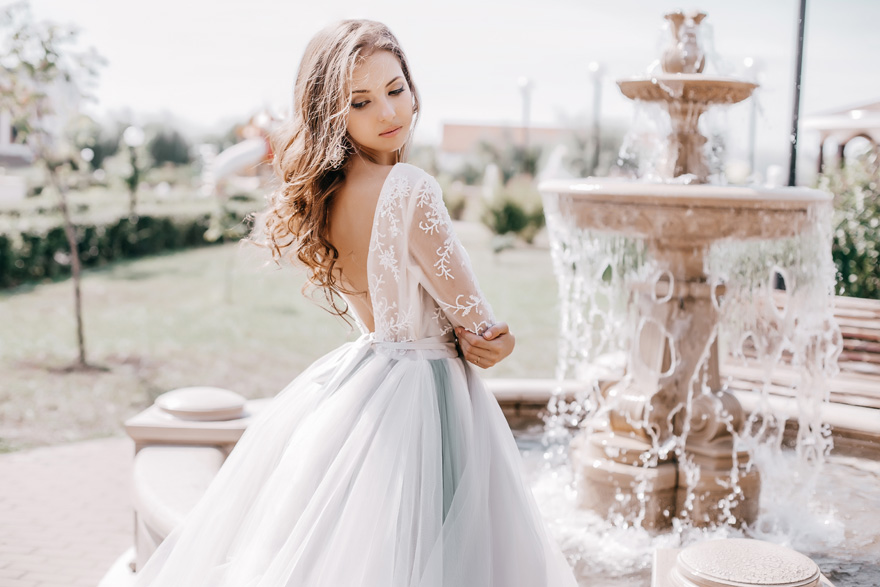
(857, 383)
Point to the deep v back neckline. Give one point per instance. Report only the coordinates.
(383, 194)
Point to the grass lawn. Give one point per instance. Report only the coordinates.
(210, 316)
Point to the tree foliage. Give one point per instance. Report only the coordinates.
(856, 238)
(39, 62)
(169, 146)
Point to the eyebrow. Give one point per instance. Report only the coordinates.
(368, 91)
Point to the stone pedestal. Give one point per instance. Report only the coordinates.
(181, 441)
(667, 450)
(613, 479)
(736, 562)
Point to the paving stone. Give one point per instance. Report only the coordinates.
(65, 512)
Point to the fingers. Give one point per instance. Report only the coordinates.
(472, 354)
(476, 340)
(496, 330)
(485, 353)
(478, 358)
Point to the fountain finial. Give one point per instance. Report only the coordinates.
(685, 92)
(684, 53)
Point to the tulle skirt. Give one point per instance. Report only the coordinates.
(377, 466)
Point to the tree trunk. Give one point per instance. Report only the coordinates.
(132, 202)
(70, 233)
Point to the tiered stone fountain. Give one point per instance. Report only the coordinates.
(659, 434)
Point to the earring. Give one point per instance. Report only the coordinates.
(337, 156)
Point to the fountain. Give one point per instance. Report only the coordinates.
(659, 284)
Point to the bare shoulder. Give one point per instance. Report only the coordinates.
(416, 175)
(365, 179)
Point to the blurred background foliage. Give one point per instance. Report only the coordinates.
(856, 224)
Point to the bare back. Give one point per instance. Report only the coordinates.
(351, 224)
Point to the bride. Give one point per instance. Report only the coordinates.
(386, 462)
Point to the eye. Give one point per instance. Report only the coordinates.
(359, 105)
(397, 91)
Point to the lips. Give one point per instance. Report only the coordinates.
(390, 132)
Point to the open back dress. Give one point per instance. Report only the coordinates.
(386, 463)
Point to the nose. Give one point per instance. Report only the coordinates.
(386, 112)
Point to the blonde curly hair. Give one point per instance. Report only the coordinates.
(312, 148)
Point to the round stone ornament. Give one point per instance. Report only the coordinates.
(202, 403)
(742, 562)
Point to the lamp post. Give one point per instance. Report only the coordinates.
(596, 70)
(525, 86)
(753, 69)
(133, 137)
(795, 111)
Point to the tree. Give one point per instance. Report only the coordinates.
(42, 74)
(88, 134)
(169, 146)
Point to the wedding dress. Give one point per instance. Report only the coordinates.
(386, 463)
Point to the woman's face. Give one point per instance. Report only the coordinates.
(381, 106)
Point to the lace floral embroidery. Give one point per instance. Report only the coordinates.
(390, 221)
(441, 320)
(413, 226)
(433, 215)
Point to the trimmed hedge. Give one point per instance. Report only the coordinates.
(40, 255)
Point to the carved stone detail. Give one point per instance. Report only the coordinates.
(739, 561)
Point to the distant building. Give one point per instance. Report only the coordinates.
(464, 138)
(461, 140)
(843, 126)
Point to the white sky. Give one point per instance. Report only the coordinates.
(208, 62)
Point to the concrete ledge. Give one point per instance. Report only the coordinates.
(120, 573)
(523, 397)
(168, 482)
(155, 426)
(530, 390)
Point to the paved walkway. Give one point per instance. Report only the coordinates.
(65, 513)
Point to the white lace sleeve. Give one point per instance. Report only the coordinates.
(444, 263)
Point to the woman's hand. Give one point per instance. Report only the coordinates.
(486, 350)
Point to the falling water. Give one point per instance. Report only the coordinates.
(773, 298)
(718, 303)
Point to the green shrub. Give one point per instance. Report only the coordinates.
(43, 254)
(856, 239)
(516, 208)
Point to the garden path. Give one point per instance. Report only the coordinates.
(65, 512)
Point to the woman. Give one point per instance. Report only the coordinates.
(386, 462)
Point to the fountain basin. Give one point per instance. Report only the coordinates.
(662, 272)
(692, 215)
(687, 88)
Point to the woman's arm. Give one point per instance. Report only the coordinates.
(445, 267)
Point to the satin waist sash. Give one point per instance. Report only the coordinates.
(433, 347)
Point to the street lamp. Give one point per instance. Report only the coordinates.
(525, 86)
(596, 71)
(753, 69)
(133, 137)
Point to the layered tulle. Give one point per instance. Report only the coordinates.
(377, 466)
(386, 463)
